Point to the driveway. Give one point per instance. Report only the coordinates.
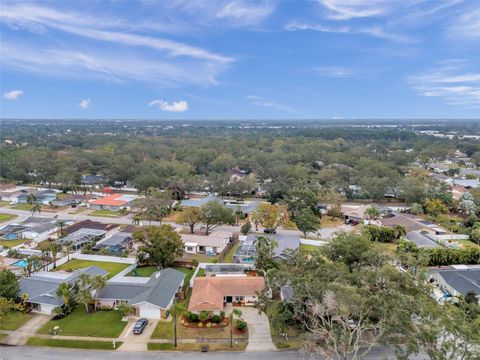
(259, 337)
(133, 342)
(27, 330)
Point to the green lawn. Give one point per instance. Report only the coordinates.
(11, 243)
(468, 244)
(309, 248)
(26, 207)
(164, 330)
(7, 217)
(112, 268)
(105, 213)
(44, 245)
(13, 320)
(99, 324)
(229, 257)
(4, 203)
(74, 344)
(2, 335)
(197, 346)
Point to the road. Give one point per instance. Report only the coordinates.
(37, 353)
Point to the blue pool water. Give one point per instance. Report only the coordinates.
(20, 263)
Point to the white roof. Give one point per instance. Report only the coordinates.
(191, 244)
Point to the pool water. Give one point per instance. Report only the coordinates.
(20, 263)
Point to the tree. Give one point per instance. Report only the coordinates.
(435, 207)
(97, 283)
(54, 249)
(372, 212)
(6, 305)
(270, 216)
(246, 228)
(238, 314)
(125, 308)
(9, 287)
(176, 309)
(67, 293)
(162, 245)
(467, 207)
(136, 219)
(61, 226)
(298, 200)
(191, 216)
(84, 295)
(214, 213)
(416, 209)
(265, 251)
(475, 235)
(307, 221)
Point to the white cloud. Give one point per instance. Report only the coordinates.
(450, 81)
(13, 95)
(375, 31)
(466, 26)
(84, 104)
(333, 71)
(168, 62)
(247, 12)
(349, 9)
(176, 106)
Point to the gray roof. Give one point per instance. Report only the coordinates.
(118, 238)
(462, 281)
(286, 292)
(159, 290)
(284, 241)
(421, 240)
(42, 289)
(246, 207)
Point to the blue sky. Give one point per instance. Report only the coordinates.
(234, 59)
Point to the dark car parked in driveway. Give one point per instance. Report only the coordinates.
(140, 325)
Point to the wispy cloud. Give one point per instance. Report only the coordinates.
(175, 106)
(466, 26)
(333, 71)
(261, 101)
(84, 104)
(349, 9)
(13, 95)
(377, 31)
(170, 62)
(452, 81)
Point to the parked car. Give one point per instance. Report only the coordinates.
(140, 325)
(269, 231)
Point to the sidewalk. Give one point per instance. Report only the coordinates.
(27, 330)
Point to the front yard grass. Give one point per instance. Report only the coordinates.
(13, 320)
(74, 344)
(25, 207)
(11, 243)
(7, 217)
(99, 324)
(105, 213)
(198, 347)
(112, 268)
(309, 248)
(4, 203)
(386, 248)
(327, 222)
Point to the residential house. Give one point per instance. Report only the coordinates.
(470, 172)
(245, 207)
(12, 232)
(91, 180)
(247, 249)
(422, 240)
(11, 194)
(43, 197)
(409, 222)
(215, 292)
(81, 238)
(42, 287)
(73, 199)
(212, 244)
(458, 191)
(40, 228)
(457, 280)
(116, 244)
(113, 202)
(150, 297)
(89, 224)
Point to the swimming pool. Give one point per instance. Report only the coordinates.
(20, 263)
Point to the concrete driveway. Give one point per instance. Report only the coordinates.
(132, 342)
(27, 330)
(259, 337)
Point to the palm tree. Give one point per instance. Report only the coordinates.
(136, 219)
(175, 310)
(31, 198)
(65, 292)
(237, 313)
(69, 246)
(61, 226)
(400, 231)
(97, 282)
(373, 212)
(54, 249)
(84, 296)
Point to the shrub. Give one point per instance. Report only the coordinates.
(204, 315)
(216, 319)
(191, 317)
(245, 229)
(222, 314)
(240, 324)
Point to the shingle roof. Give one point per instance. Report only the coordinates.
(409, 222)
(421, 240)
(42, 289)
(462, 281)
(208, 292)
(159, 290)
